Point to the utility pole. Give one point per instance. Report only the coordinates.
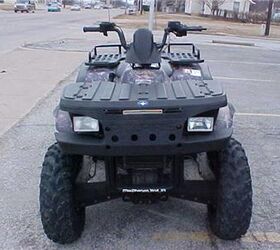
(151, 14)
(141, 6)
(268, 20)
(126, 7)
(156, 11)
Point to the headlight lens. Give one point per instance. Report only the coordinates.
(85, 124)
(200, 124)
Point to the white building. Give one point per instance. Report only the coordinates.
(202, 6)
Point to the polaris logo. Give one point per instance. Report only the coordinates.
(142, 103)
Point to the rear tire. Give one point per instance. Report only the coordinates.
(63, 221)
(230, 217)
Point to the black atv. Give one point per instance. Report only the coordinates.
(143, 115)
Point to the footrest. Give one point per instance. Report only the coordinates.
(105, 60)
(181, 58)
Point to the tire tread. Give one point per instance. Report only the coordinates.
(61, 221)
(232, 215)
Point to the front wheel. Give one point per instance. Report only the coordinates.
(63, 220)
(230, 217)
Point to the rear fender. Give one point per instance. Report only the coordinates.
(205, 71)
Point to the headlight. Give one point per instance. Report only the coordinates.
(200, 124)
(85, 124)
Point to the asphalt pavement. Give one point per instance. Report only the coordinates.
(28, 75)
(250, 75)
(19, 28)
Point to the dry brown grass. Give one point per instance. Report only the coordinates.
(213, 26)
(5, 6)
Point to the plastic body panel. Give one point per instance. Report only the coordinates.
(145, 134)
(95, 97)
(183, 145)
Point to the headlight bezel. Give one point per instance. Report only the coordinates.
(83, 120)
(207, 120)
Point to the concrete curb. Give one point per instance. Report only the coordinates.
(233, 43)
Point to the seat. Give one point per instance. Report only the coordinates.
(143, 50)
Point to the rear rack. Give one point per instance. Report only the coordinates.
(105, 60)
(182, 58)
(113, 59)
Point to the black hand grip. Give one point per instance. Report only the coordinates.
(92, 29)
(194, 28)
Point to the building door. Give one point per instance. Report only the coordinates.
(236, 6)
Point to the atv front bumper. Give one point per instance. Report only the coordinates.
(191, 143)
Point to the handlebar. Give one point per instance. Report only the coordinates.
(179, 30)
(173, 27)
(104, 27)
